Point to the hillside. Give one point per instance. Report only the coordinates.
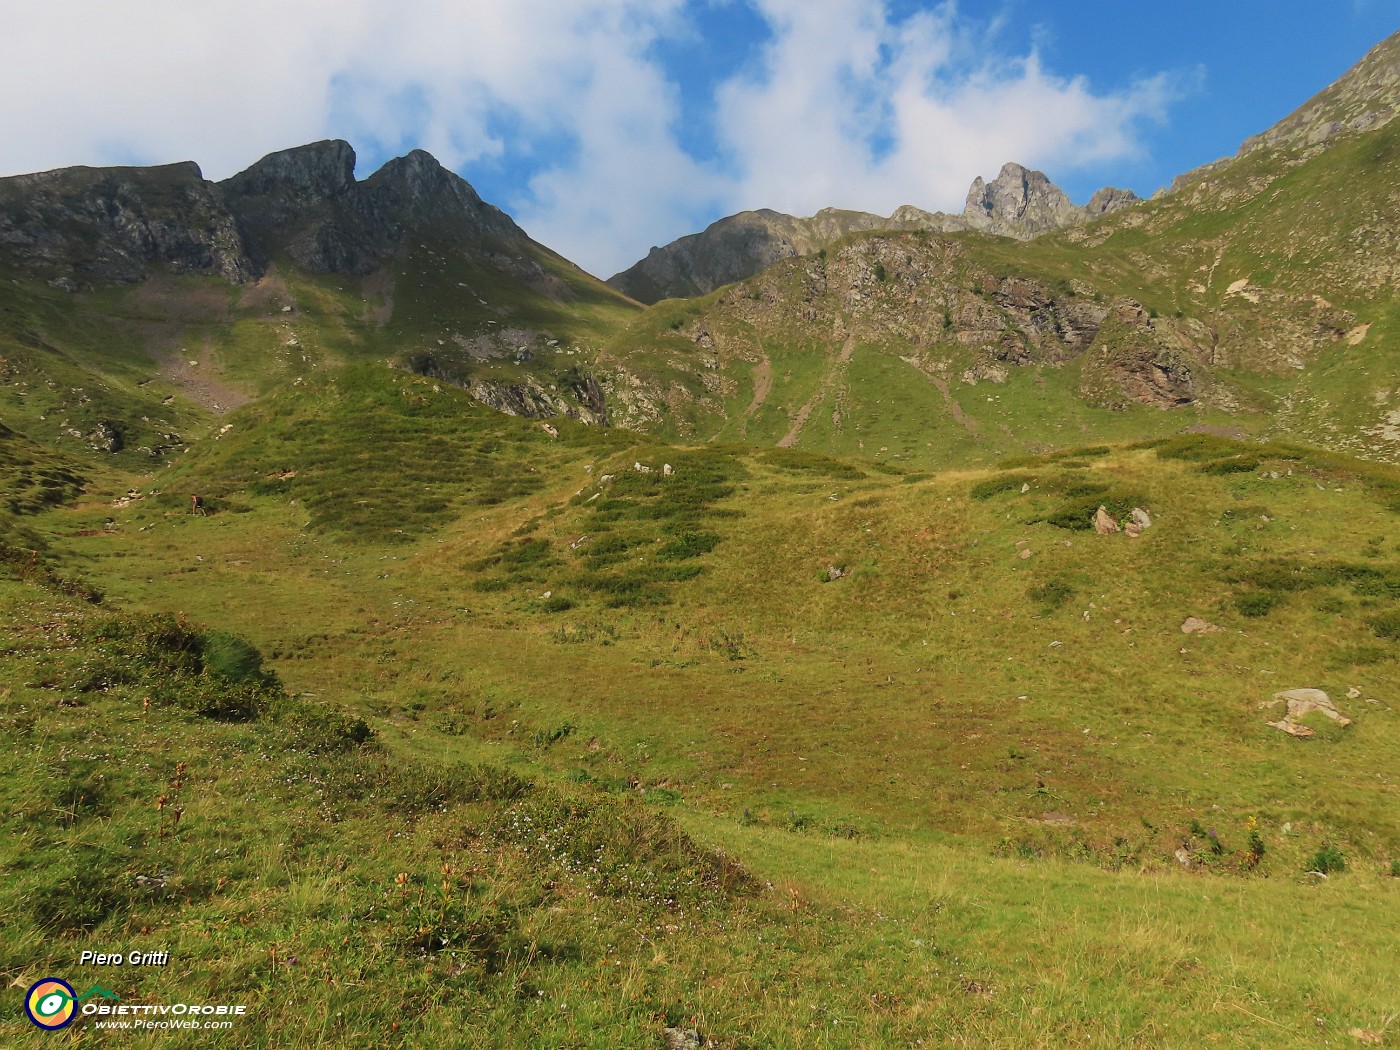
(1258, 298)
(524, 692)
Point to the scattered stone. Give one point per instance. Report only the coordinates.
(1183, 857)
(105, 437)
(1303, 702)
(1132, 530)
(1368, 1035)
(606, 478)
(1104, 524)
(286, 309)
(667, 469)
(682, 1039)
(546, 596)
(1358, 335)
(1023, 555)
(1195, 625)
(578, 543)
(1353, 693)
(835, 572)
(1025, 487)
(549, 430)
(1022, 543)
(641, 468)
(1141, 517)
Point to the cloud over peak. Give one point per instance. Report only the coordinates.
(562, 111)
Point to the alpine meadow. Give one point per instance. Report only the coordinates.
(942, 630)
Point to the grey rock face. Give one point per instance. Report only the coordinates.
(1016, 198)
(1022, 203)
(77, 225)
(306, 202)
(306, 174)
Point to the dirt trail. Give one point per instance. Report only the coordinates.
(828, 381)
(954, 409)
(762, 385)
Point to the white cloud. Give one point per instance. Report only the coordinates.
(853, 109)
(847, 106)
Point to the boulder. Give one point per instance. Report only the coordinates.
(1195, 625)
(1141, 518)
(1104, 524)
(1303, 702)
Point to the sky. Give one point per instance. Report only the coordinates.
(608, 126)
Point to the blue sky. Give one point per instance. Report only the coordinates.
(607, 126)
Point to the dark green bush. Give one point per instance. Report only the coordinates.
(228, 656)
(1051, 594)
(688, 545)
(1256, 603)
(996, 485)
(1386, 625)
(1327, 859)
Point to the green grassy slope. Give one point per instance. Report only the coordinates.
(956, 780)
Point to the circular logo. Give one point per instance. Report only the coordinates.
(51, 1003)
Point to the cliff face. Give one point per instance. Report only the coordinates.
(1018, 203)
(77, 226)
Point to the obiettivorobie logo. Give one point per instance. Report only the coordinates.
(53, 1004)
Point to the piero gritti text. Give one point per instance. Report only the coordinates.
(124, 959)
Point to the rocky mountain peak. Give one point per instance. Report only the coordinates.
(1017, 197)
(415, 187)
(319, 170)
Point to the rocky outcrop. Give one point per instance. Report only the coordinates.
(572, 393)
(1138, 359)
(741, 245)
(531, 400)
(76, 226)
(1018, 203)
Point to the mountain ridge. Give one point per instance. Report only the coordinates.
(1020, 203)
